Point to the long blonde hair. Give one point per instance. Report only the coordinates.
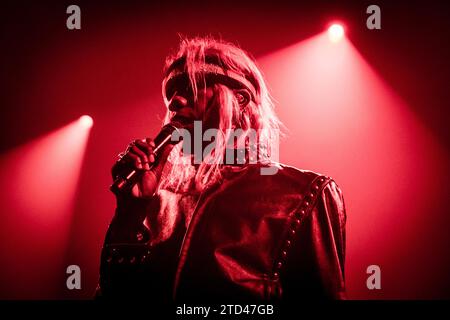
(258, 114)
(181, 181)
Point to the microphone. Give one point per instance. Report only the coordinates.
(128, 179)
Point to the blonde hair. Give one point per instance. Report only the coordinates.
(257, 115)
(181, 181)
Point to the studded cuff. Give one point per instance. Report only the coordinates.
(126, 254)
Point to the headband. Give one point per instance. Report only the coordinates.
(213, 72)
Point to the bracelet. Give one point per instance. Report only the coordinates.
(126, 254)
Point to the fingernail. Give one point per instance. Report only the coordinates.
(139, 165)
(152, 144)
(152, 158)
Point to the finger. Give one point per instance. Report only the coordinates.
(149, 145)
(130, 157)
(145, 147)
(126, 157)
(143, 157)
(145, 160)
(150, 142)
(136, 150)
(135, 159)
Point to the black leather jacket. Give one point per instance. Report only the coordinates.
(251, 237)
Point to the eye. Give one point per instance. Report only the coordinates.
(179, 85)
(243, 97)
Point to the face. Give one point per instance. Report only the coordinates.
(186, 110)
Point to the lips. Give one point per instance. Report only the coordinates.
(183, 119)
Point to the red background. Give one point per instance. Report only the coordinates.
(370, 111)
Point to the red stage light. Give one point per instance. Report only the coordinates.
(86, 121)
(349, 123)
(335, 32)
(39, 181)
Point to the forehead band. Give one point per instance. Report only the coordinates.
(215, 73)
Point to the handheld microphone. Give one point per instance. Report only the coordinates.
(127, 180)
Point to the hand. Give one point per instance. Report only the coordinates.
(140, 156)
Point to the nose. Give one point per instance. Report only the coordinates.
(177, 103)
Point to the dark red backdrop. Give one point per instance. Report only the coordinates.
(371, 111)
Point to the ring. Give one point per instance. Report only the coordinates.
(120, 156)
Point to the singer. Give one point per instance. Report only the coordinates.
(220, 229)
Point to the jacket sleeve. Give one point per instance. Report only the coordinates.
(125, 251)
(315, 266)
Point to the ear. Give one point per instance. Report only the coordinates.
(243, 97)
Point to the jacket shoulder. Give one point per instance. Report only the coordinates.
(275, 179)
(300, 174)
(299, 179)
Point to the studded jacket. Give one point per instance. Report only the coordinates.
(251, 237)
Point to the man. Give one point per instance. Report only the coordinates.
(220, 227)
